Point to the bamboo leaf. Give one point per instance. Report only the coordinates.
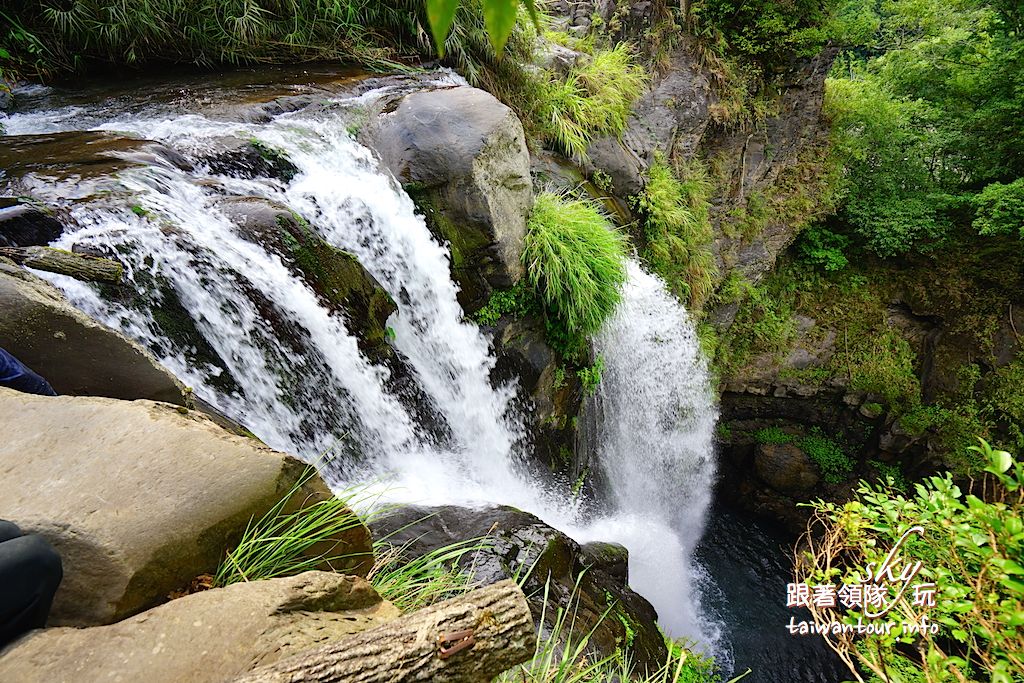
(500, 19)
(441, 14)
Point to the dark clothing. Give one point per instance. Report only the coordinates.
(14, 375)
(30, 571)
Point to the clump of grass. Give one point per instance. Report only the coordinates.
(594, 98)
(411, 584)
(677, 230)
(565, 654)
(773, 435)
(575, 261)
(283, 543)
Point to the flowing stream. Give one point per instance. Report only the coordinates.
(288, 368)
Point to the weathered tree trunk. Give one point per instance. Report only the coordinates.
(488, 631)
(78, 266)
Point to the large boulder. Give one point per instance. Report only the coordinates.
(208, 637)
(786, 468)
(138, 497)
(462, 156)
(521, 545)
(76, 354)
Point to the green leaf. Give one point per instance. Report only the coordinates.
(441, 14)
(1001, 460)
(531, 9)
(500, 19)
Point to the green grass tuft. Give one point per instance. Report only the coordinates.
(421, 581)
(593, 99)
(283, 543)
(576, 262)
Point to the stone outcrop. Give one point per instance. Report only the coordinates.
(461, 154)
(207, 637)
(520, 543)
(779, 162)
(76, 354)
(138, 497)
(555, 391)
(669, 119)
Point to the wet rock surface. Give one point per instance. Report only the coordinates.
(461, 154)
(519, 544)
(76, 354)
(24, 224)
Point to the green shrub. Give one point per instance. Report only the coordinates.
(823, 248)
(970, 549)
(677, 230)
(576, 263)
(999, 209)
(828, 455)
(884, 365)
(773, 435)
(593, 99)
(516, 301)
(590, 377)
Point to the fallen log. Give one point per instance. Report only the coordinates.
(467, 639)
(78, 266)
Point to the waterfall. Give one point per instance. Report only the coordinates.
(299, 381)
(656, 449)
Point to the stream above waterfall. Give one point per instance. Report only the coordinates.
(301, 382)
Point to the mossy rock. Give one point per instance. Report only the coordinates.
(335, 275)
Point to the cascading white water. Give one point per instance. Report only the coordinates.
(656, 448)
(302, 382)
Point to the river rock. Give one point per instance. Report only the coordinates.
(207, 637)
(519, 544)
(785, 467)
(248, 159)
(338, 278)
(76, 354)
(23, 224)
(462, 156)
(138, 497)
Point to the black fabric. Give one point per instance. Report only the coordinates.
(30, 571)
